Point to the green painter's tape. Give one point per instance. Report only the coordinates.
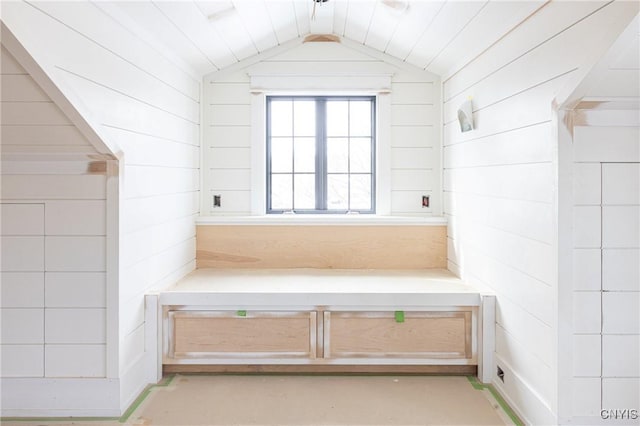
(58, 419)
(133, 407)
(475, 383)
(241, 313)
(499, 399)
(399, 316)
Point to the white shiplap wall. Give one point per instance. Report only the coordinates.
(412, 111)
(53, 227)
(499, 182)
(145, 106)
(604, 156)
(606, 277)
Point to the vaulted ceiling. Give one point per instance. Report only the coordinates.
(437, 36)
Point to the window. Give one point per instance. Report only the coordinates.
(320, 154)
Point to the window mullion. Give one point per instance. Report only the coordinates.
(321, 154)
(268, 168)
(293, 157)
(348, 156)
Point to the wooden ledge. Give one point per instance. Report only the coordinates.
(322, 220)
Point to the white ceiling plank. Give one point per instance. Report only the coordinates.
(384, 24)
(189, 19)
(257, 22)
(216, 9)
(229, 29)
(450, 21)
(493, 21)
(340, 16)
(438, 36)
(156, 24)
(415, 23)
(283, 19)
(359, 19)
(322, 23)
(302, 16)
(118, 15)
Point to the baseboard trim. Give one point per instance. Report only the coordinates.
(39, 397)
(527, 404)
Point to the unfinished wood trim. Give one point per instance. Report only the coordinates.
(431, 335)
(340, 247)
(225, 334)
(326, 337)
(320, 333)
(322, 369)
(467, 335)
(321, 38)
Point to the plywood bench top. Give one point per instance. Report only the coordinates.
(320, 287)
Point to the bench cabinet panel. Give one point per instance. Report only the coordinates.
(418, 335)
(230, 334)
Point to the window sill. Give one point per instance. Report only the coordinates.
(349, 220)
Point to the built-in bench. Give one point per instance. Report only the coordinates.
(323, 320)
(321, 294)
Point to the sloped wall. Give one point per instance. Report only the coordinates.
(53, 271)
(500, 184)
(146, 108)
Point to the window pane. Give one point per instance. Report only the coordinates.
(281, 118)
(337, 118)
(337, 155)
(282, 192)
(305, 191)
(343, 151)
(337, 192)
(305, 155)
(304, 118)
(360, 156)
(360, 192)
(281, 155)
(360, 118)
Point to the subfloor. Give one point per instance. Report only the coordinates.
(308, 400)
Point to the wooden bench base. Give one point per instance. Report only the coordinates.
(321, 322)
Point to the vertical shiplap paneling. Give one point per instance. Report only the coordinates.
(503, 169)
(415, 153)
